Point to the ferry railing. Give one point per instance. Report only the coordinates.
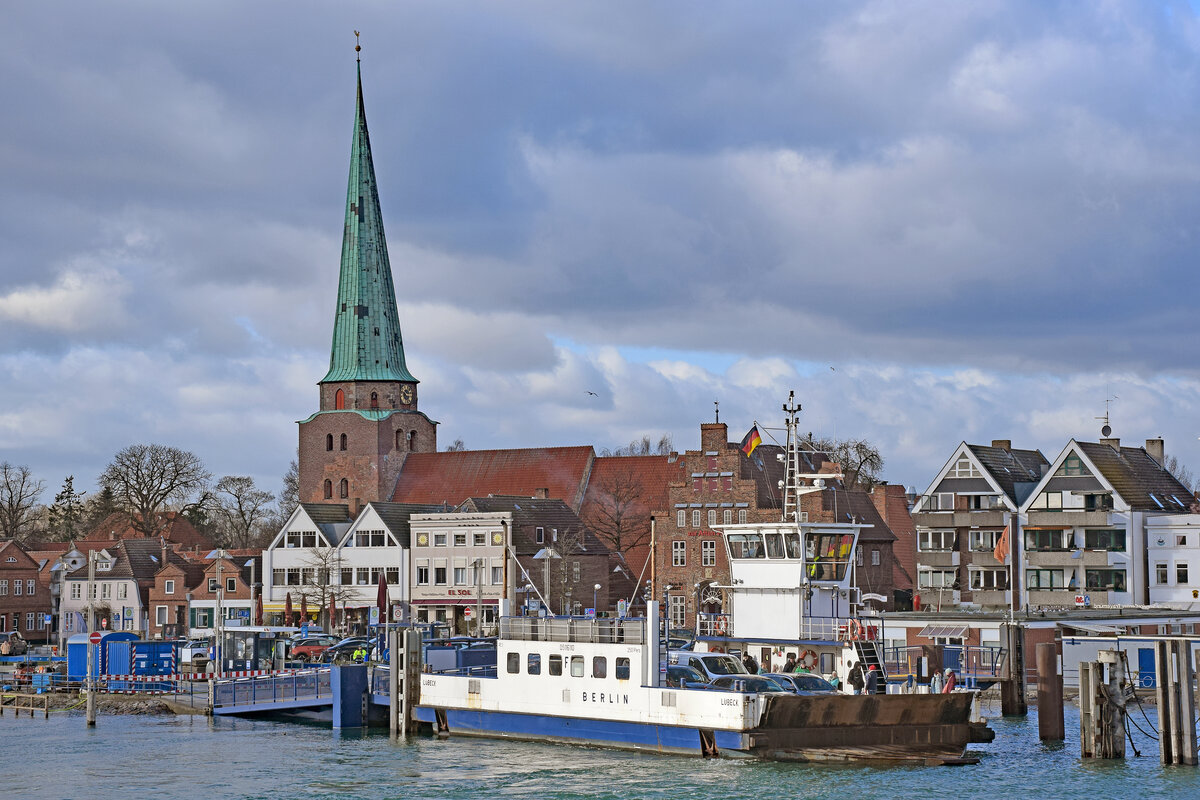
(713, 624)
(840, 629)
(573, 629)
(970, 662)
(306, 685)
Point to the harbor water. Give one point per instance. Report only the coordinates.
(199, 758)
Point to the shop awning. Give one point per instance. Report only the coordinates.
(453, 601)
(944, 631)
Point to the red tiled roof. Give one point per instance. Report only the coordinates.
(452, 477)
(638, 481)
(178, 530)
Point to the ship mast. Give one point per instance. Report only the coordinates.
(794, 482)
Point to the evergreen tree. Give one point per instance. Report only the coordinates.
(67, 515)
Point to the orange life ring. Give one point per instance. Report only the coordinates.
(719, 626)
(855, 630)
(807, 660)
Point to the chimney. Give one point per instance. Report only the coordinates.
(541, 494)
(1115, 444)
(1003, 444)
(1155, 449)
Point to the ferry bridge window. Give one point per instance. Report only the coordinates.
(514, 663)
(774, 545)
(622, 669)
(599, 667)
(534, 666)
(792, 540)
(745, 545)
(576, 666)
(555, 664)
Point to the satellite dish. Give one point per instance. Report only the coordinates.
(1105, 431)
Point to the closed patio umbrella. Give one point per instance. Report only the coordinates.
(382, 598)
(304, 609)
(258, 611)
(287, 610)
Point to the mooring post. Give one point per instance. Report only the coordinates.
(412, 676)
(1012, 690)
(1051, 724)
(1087, 709)
(394, 662)
(1162, 676)
(1187, 705)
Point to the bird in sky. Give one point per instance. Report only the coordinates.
(593, 394)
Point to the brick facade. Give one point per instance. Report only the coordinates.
(24, 598)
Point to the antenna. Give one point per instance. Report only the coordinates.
(717, 403)
(1106, 429)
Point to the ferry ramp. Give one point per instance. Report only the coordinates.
(264, 693)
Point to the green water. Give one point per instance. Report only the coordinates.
(201, 759)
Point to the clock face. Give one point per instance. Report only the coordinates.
(406, 394)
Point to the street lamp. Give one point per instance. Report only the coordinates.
(595, 593)
(544, 555)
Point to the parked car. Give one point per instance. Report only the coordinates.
(680, 677)
(13, 644)
(193, 649)
(343, 651)
(711, 665)
(747, 684)
(310, 649)
(804, 683)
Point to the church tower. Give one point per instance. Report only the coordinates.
(352, 449)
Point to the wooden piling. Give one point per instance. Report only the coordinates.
(1187, 704)
(1102, 706)
(395, 726)
(1012, 689)
(1162, 677)
(1051, 723)
(1176, 703)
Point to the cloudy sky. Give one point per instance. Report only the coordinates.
(935, 221)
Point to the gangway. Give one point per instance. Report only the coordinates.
(301, 689)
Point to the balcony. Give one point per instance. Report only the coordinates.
(938, 558)
(1052, 558)
(1069, 518)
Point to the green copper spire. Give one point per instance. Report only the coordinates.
(366, 330)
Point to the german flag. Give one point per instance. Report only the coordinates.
(751, 441)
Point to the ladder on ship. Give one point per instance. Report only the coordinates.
(869, 653)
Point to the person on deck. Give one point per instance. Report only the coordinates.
(856, 678)
(935, 683)
(872, 681)
(950, 681)
(750, 664)
(790, 664)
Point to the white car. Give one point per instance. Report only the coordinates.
(193, 649)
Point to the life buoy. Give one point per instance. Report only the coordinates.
(854, 630)
(719, 626)
(808, 659)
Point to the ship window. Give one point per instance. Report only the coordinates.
(576, 666)
(774, 545)
(745, 545)
(514, 663)
(555, 664)
(535, 664)
(622, 669)
(599, 667)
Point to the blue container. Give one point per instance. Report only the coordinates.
(154, 658)
(77, 647)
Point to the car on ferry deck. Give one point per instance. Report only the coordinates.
(749, 684)
(710, 665)
(803, 683)
(680, 677)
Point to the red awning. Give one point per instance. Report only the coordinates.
(452, 601)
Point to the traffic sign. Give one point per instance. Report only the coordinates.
(95, 637)
(468, 613)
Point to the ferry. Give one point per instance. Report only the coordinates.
(602, 682)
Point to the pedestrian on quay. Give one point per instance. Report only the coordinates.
(872, 682)
(935, 683)
(790, 664)
(948, 686)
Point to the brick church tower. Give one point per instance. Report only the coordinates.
(352, 449)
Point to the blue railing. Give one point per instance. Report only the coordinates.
(307, 685)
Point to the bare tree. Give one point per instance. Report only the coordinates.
(241, 507)
(620, 514)
(144, 478)
(321, 585)
(860, 460)
(289, 496)
(456, 446)
(643, 447)
(19, 493)
(1182, 474)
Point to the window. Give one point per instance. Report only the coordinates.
(212, 583)
(1097, 502)
(858, 555)
(988, 578)
(539, 535)
(439, 576)
(983, 541)
(943, 501)
(741, 516)
(1072, 466)
(599, 667)
(1104, 539)
(937, 578)
(678, 553)
(343, 488)
(1045, 579)
(231, 584)
(622, 669)
(393, 576)
(681, 519)
(460, 576)
(963, 468)
(712, 517)
(497, 576)
(555, 664)
(936, 541)
(695, 518)
(19, 588)
(479, 539)
(76, 589)
(1048, 501)
(32, 619)
(984, 502)
(1181, 575)
(399, 440)
(168, 587)
(514, 663)
(1181, 541)
(105, 590)
(375, 395)
(874, 558)
(708, 553)
(534, 664)
(575, 571)
(439, 540)
(727, 516)
(1049, 540)
(460, 540)
(342, 442)
(1111, 579)
(160, 615)
(422, 576)
(678, 608)
(339, 400)
(576, 666)
(329, 441)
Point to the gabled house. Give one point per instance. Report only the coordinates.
(125, 570)
(302, 559)
(225, 590)
(1088, 522)
(25, 599)
(170, 594)
(960, 520)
